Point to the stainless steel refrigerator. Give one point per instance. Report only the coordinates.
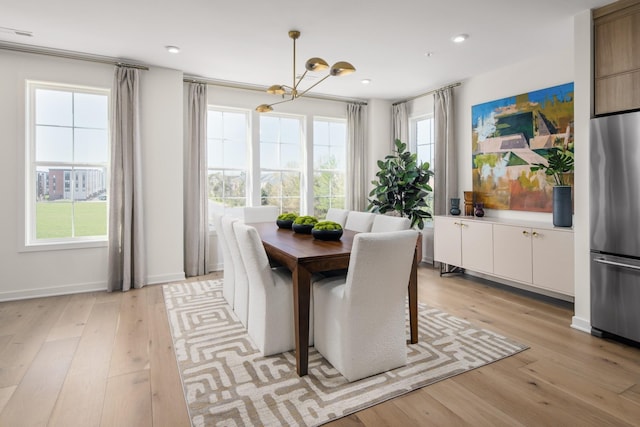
(615, 225)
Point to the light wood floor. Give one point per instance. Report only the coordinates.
(104, 359)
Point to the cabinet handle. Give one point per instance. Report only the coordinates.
(535, 234)
(525, 233)
(456, 223)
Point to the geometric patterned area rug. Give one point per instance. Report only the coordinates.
(227, 383)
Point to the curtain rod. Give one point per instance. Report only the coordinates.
(67, 54)
(428, 93)
(263, 89)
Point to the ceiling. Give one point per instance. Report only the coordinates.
(247, 41)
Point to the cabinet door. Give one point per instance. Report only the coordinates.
(477, 246)
(446, 240)
(512, 252)
(553, 260)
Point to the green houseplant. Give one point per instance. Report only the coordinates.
(559, 165)
(402, 186)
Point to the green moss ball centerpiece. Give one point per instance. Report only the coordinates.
(286, 219)
(327, 230)
(304, 224)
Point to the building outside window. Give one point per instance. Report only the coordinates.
(68, 140)
(280, 162)
(329, 165)
(422, 142)
(227, 141)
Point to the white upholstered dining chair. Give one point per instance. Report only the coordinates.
(390, 223)
(360, 318)
(270, 322)
(337, 215)
(241, 283)
(228, 287)
(359, 221)
(260, 213)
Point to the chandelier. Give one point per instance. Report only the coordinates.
(341, 68)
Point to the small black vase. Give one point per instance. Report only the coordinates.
(479, 212)
(455, 206)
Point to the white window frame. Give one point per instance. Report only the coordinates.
(30, 242)
(303, 168)
(413, 145)
(314, 170)
(248, 151)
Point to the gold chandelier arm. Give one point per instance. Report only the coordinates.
(300, 80)
(313, 85)
(281, 102)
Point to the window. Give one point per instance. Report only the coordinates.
(422, 143)
(329, 165)
(68, 143)
(280, 162)
(227, 136)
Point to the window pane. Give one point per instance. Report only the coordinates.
(270, 185)
(234, 184)
(338, 134)
(54, 144)
(269, 156)
(91, 146)
(90, 218)
(289, 156)
(321, 156)
(90, 110)
(289, 131)
(320, 132)
(234, 154)
(290, 184)
(338, 155)
(322, 184)
(53, 107)
(214, 124)
(235, 126)
(215, 181)
(424, 153)
(53, 219)
(215, 157)
(269, 129)
(291, 204)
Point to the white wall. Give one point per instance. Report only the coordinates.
(379, 137)
(39, 273)
(554, 68)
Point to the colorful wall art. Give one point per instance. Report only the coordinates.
(511, 134)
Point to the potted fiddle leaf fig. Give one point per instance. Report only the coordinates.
(559, 165)
(402, 186)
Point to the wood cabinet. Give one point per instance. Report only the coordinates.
(537, 255)
(616, 54)
(463, 243)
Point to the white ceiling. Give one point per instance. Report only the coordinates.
(246, 41)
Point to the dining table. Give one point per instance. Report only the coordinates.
(305, 255)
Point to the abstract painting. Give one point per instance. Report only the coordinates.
(511, 134)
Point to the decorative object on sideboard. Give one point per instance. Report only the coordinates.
(468, 203)
(559, 165)
(455, 206)
(479, 212)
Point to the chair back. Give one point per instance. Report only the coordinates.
(228, 268)
(390, 223)
(260, 214)
(359, 221)
(337, 215)
(241, 283)
(377, 279)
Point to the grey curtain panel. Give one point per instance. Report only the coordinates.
(127, 256)
(399, 124)
(356, 157)
(196, 216)
(446, 170)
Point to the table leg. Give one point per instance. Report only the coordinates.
(413, 300)
(301, 301)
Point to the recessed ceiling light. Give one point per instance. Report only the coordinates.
(460, 38)
(172, 49)
(365, 81)
(428, 54)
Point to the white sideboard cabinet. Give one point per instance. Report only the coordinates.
(537, 255)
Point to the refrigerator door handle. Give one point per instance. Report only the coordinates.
(617, 264)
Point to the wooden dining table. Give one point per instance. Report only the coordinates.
(305, 255)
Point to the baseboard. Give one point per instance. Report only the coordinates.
(53, 291)
(216, 267)
(581, 324)
(166, 278)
